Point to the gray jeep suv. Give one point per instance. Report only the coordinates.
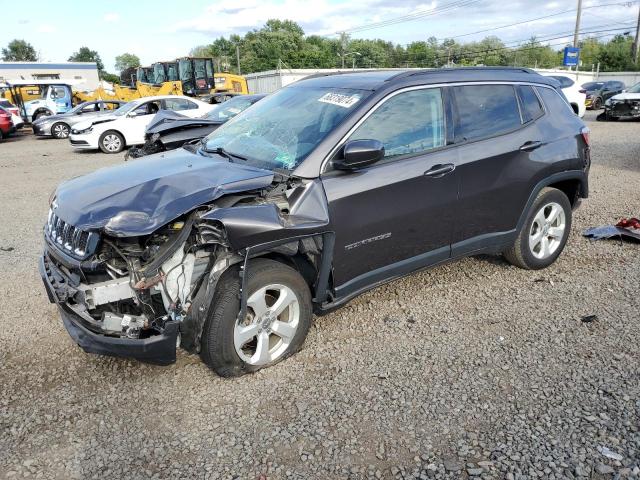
(319, 192)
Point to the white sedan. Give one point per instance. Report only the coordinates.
(574, 93)
(126, 126)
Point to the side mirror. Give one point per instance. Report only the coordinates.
(132, 114)
(359, 153)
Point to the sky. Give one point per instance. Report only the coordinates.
(156, 30)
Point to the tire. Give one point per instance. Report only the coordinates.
(529, 251)
(111, 142)
(60, 130)
(597, 104)
(2, 135)
(230, 348)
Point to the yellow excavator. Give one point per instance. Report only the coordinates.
(192, 76)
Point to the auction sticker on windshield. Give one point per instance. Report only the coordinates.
(339, 99)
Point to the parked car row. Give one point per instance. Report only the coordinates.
(317, 193)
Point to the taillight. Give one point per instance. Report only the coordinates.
(585, 135)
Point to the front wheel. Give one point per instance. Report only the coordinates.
(278, 318)
(111, 142)
(597, 104)
(60, 130)
(544, 233)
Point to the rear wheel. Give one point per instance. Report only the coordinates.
(111, 142)
(275, 326)
(60, 130)
(544, 233)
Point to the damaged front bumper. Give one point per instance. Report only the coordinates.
(159, 349)
(622, 109)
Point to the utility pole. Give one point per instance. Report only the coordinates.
(636, 44)
(575, 34)
(238, 58)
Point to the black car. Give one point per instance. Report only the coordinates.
(170, 129)
(599, 92)
(324, 190)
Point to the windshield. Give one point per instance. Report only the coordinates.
(224, 111)
(127, 107)
(634, 89)
(281, 130)
(593, 85)
(78, 107)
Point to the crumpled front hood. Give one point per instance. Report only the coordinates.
(166, 120)
(136, 198)
(626, 96)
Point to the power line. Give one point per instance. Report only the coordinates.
(537, 18)
(409, 17)
(476, 54)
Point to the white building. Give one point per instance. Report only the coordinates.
(83, 75)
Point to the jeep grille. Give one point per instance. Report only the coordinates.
(69, 238)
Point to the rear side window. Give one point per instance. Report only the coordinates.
(178, 104)
(486, 110)
(408, 123)
(554, 102)
(531, 107)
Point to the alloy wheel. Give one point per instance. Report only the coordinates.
(273, 315)
(111, 142)
(60, 131)
(547, 230)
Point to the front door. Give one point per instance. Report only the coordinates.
(396, 215)
(136, 125)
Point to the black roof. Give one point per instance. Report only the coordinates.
(375, 79)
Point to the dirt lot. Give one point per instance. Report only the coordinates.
(472, 369)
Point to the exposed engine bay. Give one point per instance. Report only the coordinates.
(135, 287)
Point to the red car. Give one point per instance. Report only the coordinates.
(6, 124)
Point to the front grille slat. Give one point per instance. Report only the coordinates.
(69, 238)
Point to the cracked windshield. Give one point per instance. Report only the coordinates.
(281, 130)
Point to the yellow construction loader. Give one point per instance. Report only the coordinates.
(190, 76)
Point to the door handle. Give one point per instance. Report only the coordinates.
(530, 146)
(440, 170)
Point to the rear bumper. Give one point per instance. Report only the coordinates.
(158, 349)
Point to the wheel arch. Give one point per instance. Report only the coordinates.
(574, 184)
(39, 111)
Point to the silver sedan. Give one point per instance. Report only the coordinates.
(59, 126)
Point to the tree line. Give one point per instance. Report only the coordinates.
(283, 44)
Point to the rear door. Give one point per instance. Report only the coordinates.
(396, 215)
(497, 161)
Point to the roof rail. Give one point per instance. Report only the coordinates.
(473, 69)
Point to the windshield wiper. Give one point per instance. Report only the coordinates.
(223, 153)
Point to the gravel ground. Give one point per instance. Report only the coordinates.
(474, 369)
